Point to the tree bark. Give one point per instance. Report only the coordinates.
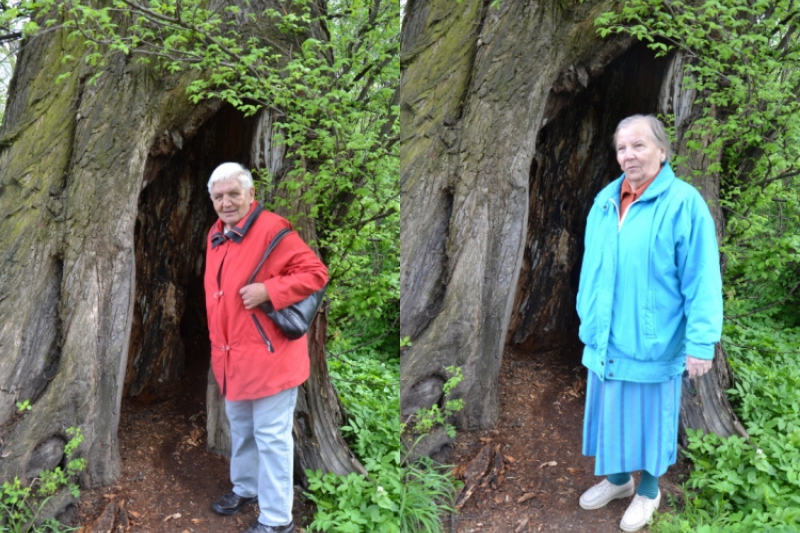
(104, 216)
(507, 120)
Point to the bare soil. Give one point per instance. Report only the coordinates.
(169, 479)
(540, 474)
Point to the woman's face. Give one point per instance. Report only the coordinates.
(638, 154)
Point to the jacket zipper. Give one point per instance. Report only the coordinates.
(616, 208)
(262, 333)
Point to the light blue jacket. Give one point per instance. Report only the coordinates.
(650, 289)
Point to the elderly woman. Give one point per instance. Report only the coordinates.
(257, 367)
(650, 305)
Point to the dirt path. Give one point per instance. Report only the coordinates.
(542, 472)
(168, 478)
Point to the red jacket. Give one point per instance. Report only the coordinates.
(250, 356)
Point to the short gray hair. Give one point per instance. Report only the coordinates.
(657, 130)
(227, 171)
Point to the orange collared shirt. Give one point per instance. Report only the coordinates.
(627, 195)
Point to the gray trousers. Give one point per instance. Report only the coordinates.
(262, 453)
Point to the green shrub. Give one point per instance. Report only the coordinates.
(20, 505)
(736, 486)
(395, 497)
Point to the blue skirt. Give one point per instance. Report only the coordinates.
(631, 426)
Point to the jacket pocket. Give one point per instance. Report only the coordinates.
(649, 318)
(262, 333)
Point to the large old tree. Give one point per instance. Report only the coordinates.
(103, 215)
(507, 116)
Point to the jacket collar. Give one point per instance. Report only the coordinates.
(237, 233)
(662, 182)
(663, 179)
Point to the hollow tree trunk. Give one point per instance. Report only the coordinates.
(507, 121)
(103, 216)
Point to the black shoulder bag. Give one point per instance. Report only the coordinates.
(295, 319)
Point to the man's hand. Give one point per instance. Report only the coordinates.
(253, 295)
(697, 367)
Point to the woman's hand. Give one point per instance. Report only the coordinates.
(697, 367)
(254, 295)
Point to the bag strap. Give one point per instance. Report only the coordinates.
(275, 240)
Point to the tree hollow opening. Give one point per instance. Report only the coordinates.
(169, 348)
(573, 161)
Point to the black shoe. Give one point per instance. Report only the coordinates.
(231, 503)
(258, 527)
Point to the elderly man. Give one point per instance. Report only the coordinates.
(257, 368)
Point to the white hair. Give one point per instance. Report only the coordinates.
(227, 171)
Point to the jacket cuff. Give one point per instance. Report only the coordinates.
(700, 351)
(273, 287)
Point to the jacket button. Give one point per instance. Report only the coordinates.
(602, 363)
(610, 361)
(227, 348)
(611, 374)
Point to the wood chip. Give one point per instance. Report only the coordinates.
(173, 517)
(478, 466)
(522, 524)
(105, 522)
(474, 474)
(123, 521)
(525, 497)
(550, 463)
(458, 471)
(509, 458)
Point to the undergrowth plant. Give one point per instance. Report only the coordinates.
(425, 420)
(395, 496)
(739, 486)
(20, 506)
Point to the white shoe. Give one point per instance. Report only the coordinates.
(639, 512)
(602, 493)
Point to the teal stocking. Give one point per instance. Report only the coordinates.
(648, 486)
(619, 479)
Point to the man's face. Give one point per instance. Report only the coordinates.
(231, 201)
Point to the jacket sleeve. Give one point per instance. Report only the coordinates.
(301, 272)
(588, 266)
(700, 278)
